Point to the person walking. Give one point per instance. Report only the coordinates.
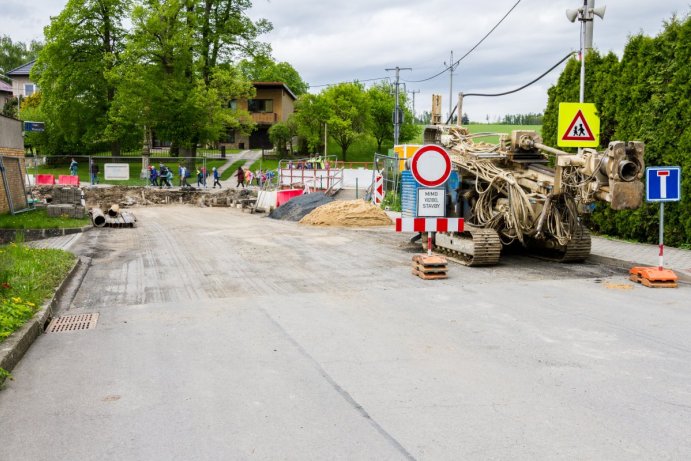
(248, 177)
(200, 178)
(240, 174)
(94, 172)
(165, 176)
(217, 178)
(74, 167)
(183, 177)
(153, 175)
(169, 177)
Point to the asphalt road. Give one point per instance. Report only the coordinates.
(226, 336)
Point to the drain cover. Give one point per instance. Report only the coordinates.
(67, 323)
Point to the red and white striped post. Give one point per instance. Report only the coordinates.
(429, 225)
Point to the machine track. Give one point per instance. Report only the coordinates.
(576, 250)
(475, 246)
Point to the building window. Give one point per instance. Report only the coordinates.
(233, 104)
(260, 105)
(29, 89)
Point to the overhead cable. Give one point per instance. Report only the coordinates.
(454, 64)
(465, 95)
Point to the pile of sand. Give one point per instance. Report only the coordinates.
(352, 213)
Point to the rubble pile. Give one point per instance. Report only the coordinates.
(128, 196)
(350, 213)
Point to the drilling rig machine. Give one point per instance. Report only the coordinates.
(520, 191)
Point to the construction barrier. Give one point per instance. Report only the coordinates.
(378, 192)
(45, 179)
(67, 180)
(282, 196)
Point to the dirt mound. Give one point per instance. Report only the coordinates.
(348, 213)
(298, 207)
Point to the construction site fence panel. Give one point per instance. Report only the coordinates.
(57, 170)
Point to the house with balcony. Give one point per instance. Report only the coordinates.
(22, 85)
(273, 103)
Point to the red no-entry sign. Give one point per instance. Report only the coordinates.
(431, 165)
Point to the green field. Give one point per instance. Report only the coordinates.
(491, 128)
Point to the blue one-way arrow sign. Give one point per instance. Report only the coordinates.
(663, 184)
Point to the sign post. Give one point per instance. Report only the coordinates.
(579, 125)
(663, 184)
(431, 167)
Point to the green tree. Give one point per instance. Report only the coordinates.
(83, 43)
(382, 103)
(644, 96)
(263, 68)
(14, 54)
(312, 112)
(178, 73)
(281, 135)
(349, 113)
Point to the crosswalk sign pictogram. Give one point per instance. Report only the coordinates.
(579, 125)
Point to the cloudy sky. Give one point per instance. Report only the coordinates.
(330, 41)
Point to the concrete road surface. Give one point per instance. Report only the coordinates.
(227, 336)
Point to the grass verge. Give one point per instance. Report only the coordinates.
(39, 219)
(27, 277)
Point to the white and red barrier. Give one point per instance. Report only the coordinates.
(429, 225)
(378, 190)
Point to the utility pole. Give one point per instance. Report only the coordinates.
(451, 67)
(585, 14)
(396, 112)
(413, 92)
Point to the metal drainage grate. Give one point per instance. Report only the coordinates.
(67, 323)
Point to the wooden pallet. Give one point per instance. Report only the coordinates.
(652, 277)
(430, 267)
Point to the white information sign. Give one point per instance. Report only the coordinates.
(431, 202)
(116, 171)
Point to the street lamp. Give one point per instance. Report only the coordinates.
(585, 14)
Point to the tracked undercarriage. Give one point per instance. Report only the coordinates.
(520, 191)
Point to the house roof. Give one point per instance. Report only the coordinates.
(5, 87)
(22, 70)
(275, 85)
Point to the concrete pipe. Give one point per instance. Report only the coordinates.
(114, 210)
(97, 217)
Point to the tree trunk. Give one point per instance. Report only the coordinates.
(115, 148)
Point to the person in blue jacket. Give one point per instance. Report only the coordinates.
(216, 179)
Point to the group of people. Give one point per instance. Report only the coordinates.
(313, 163)
(164, 176)
(93, 170)
(246, 177)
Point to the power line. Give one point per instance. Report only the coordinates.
(469, 51)
(517, 89)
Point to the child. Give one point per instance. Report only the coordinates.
(216, 179)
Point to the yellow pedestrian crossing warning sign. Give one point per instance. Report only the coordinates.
(579, 125)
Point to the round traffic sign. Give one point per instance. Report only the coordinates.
(431, 165)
